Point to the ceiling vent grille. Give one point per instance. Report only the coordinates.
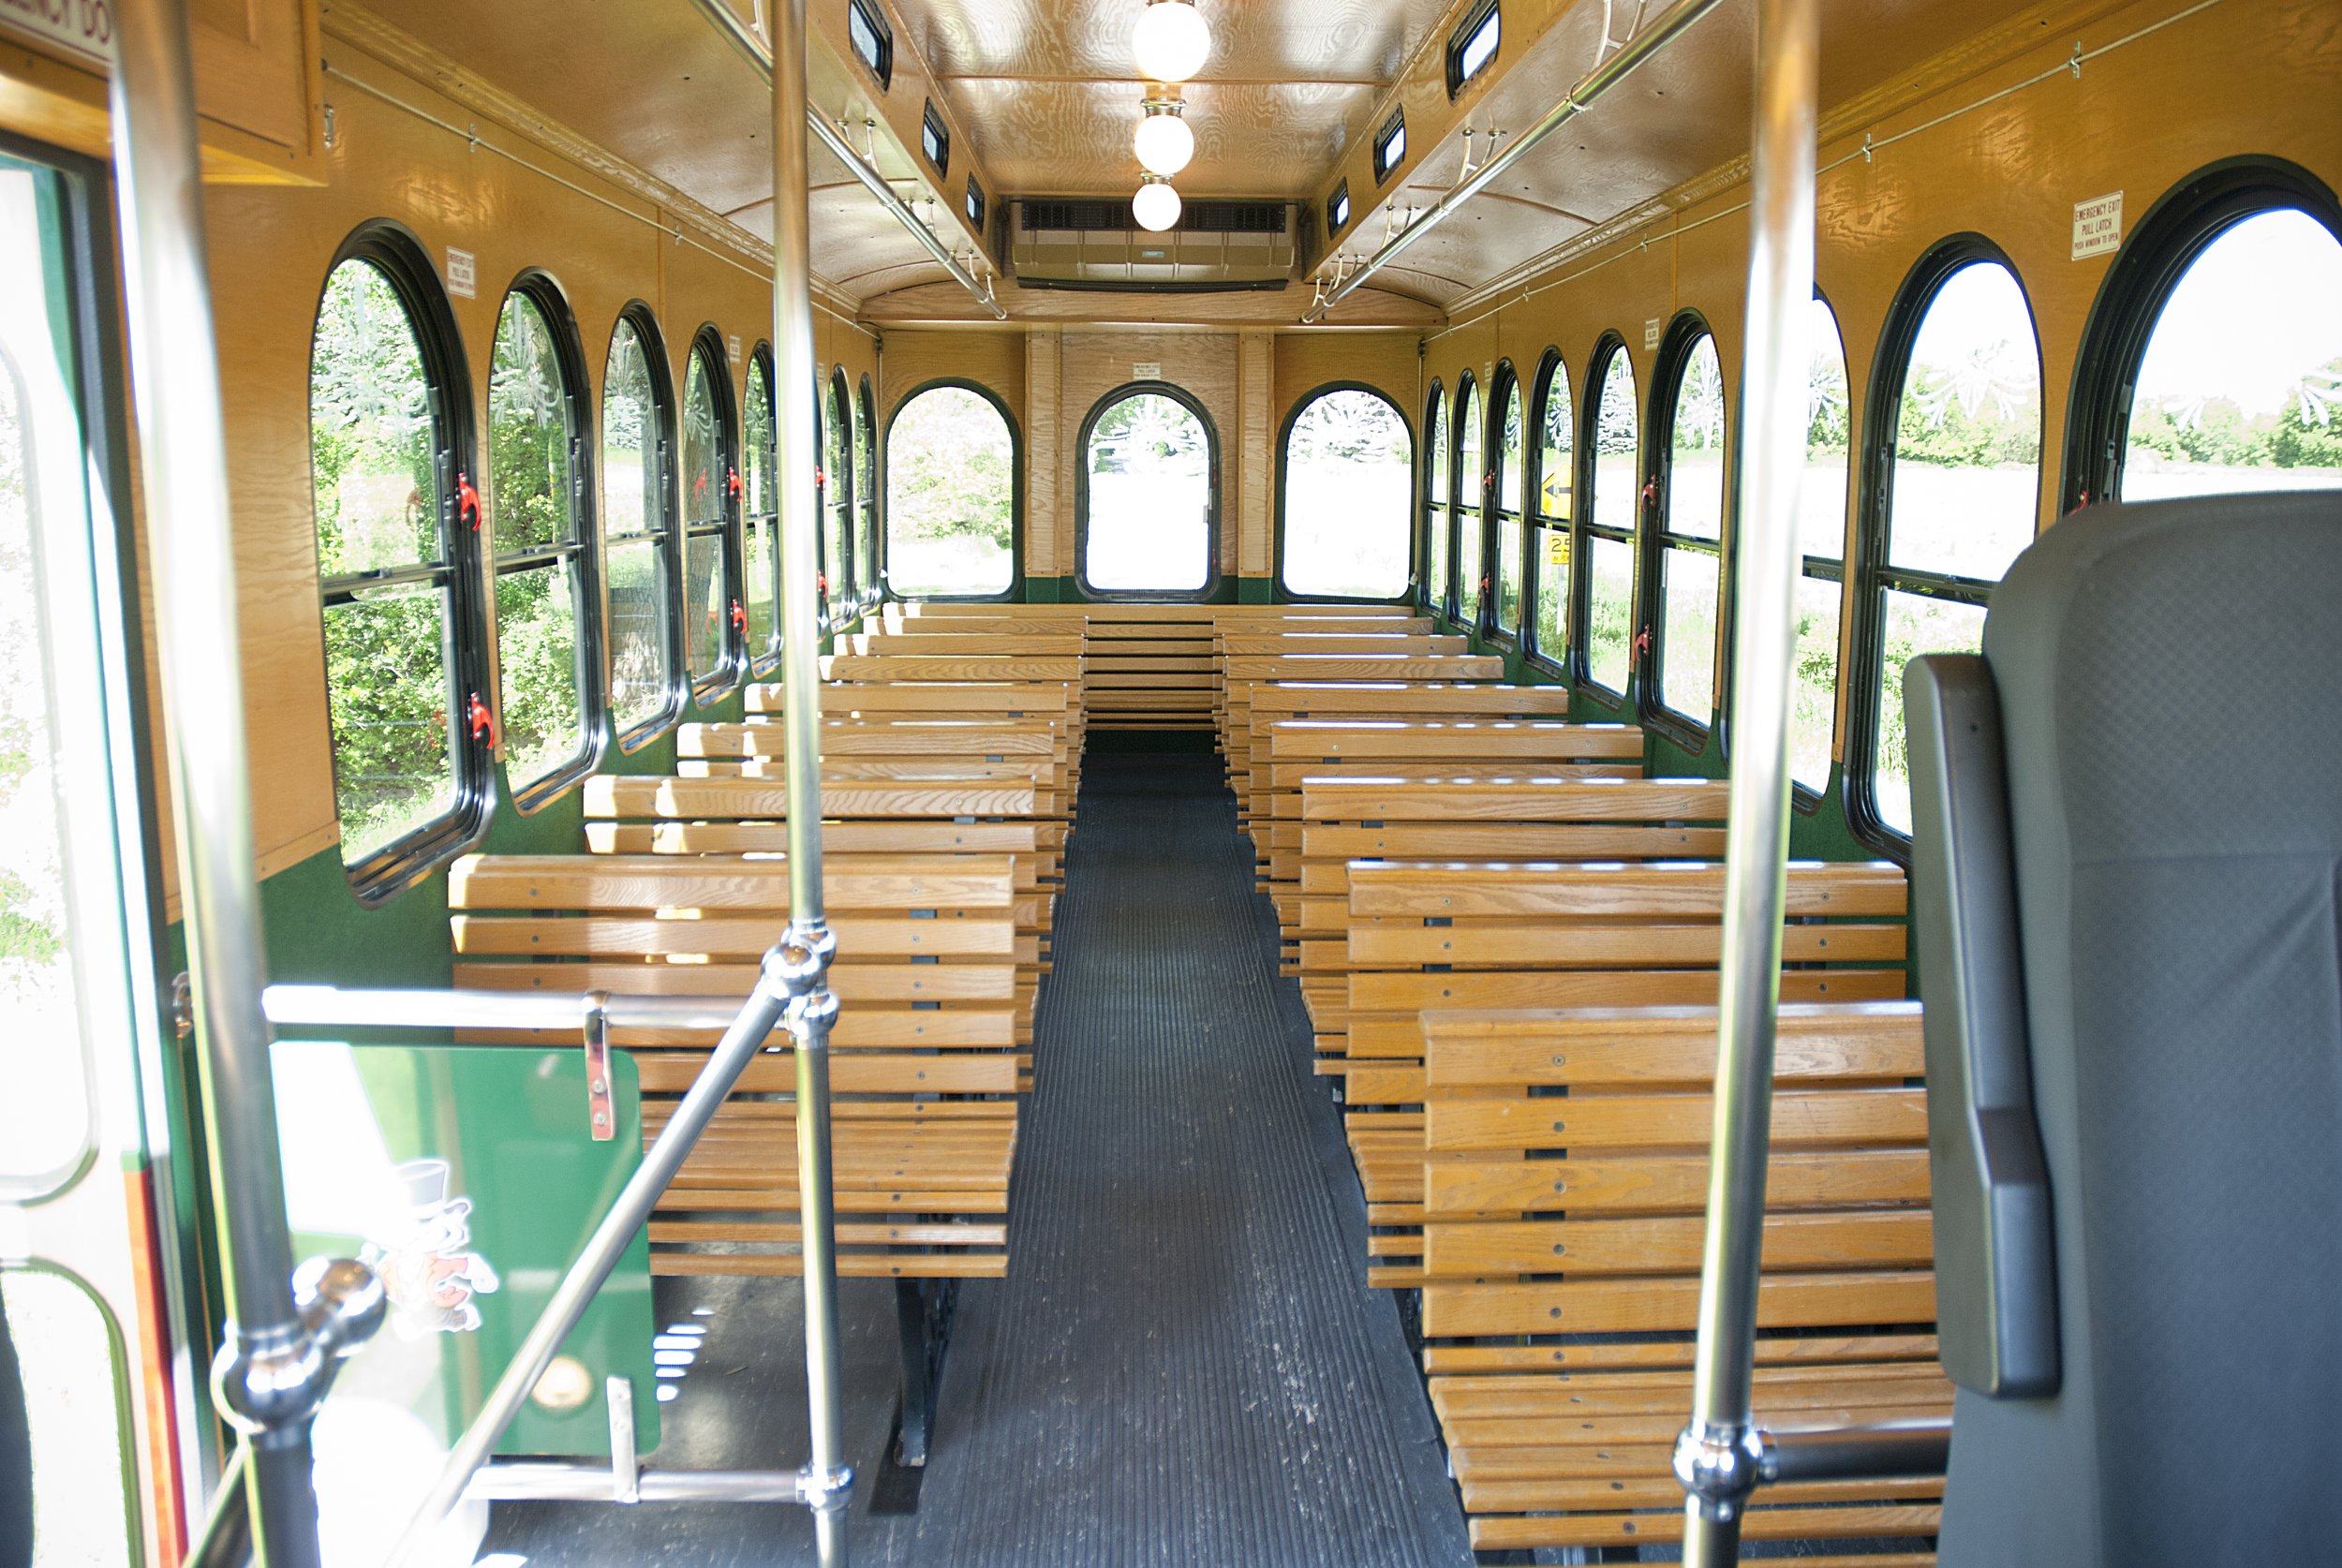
(1089, 242)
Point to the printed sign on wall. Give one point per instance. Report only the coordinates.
(2097, 225)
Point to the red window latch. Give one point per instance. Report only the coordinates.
(739, 618)
(1642, 642)
(820, 583)
(467, 501)
(483, 722)
(734, 484)
(1650, 493)
(821, 476)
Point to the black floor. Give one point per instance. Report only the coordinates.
(1185, 1364)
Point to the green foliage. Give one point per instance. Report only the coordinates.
(1944, 419)
(2304, 433)
(949, 470)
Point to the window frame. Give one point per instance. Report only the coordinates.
(1386, 159)
(1015, 487)
(1431, 469)
(1501, 385)
(873, 17)
(934, 135)
(1338, 211)
(666, 531)
(1891, 367)
(1464, 35)
(732, 546)
(841, 606)
(975, 205)
(763, 661)
(1552, 369)
(2185, 222)
(583, 550)
(869, 526)
(1584, 530)
(401, 258)
(1285, 439)
(1081, 498)
(1656, 538)
(1467, 385)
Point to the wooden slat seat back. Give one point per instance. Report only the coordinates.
(852, 667)
(1444, 934)
(1063, 644)
(1565, 1179)
(1589, 817)
(1249, 705)
(1248, 644)
(1059, 701)
(925, 1065)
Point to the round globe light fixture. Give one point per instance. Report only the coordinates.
(1157, 205)
(1171, 41)
(1165, 142)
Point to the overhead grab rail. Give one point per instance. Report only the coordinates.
(1723, 1455)
(1664, 30)
(748, 42)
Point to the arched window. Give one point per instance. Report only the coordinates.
(1551, 512)
(1821, 502)
(1613, 444)
(548, 674)
(1956, 403)
(1511, 459)
(838, 497)
(760, 501)
(639, 546)
(714, 620)
(397, 516)
(1688, 533)
(2214, 357)
(1148, 507)
(951, 495)
(1342, 521)
(1470, 485)
(1435, 515)
(866, 495)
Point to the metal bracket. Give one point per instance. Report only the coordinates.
(625, 1466)
(602, 1114)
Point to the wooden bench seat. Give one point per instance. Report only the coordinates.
(1449, 935)
(1250, 705)
(1566, 1180)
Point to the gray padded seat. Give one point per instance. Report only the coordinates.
(2170, 680)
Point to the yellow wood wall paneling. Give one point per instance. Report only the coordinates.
(1256, 389)
(1044, 373)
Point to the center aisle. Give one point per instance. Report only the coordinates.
(1185, 1364)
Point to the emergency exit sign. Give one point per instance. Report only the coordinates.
(2097, 225)
(82, 29)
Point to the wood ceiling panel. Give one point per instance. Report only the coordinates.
(1357, 41)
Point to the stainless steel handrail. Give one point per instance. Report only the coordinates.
(1720, 1455)
(1664, 30)
(556, 1012)
(280, 1350)
(745, 38)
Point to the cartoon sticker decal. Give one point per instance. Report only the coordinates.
(429, 1270)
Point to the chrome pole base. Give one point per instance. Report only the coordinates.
(264, 1385)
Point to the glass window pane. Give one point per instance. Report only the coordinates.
(950, 467)
(706, 481)
(371, 432)
(1553, 593)
(1556, 457)
(1348, 462)
(865, 495)
(532, 494)
(1813, 700)
(1914, 625)
(1511, 454)
(1150, 504)
(838, 493)
(73, 1392)
(2241, 385)
(537, 647)
(1435, 508)
(1967, 456)
(1695, 481)
(706, 608)
(387, 674)
(1617, 437)
(45, 1115)
(1689, 583)
(639, 673)
(1821, 498)
(1469, 476)
(761, 501)
(1611, 613)
(631, 501)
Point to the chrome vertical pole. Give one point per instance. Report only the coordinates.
(270, 1373)
(1719, 1456)
(794, 377)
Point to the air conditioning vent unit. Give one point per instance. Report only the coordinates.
(1094, 243)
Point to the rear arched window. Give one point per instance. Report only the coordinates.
(396, 520)
(1956, 494)
(544, 579)
(1348, 463)
(951, 496)
(1149, 512)
(639, 545)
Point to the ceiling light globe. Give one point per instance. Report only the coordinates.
(1156, 206)
(1172, 40)
(1164, 144)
